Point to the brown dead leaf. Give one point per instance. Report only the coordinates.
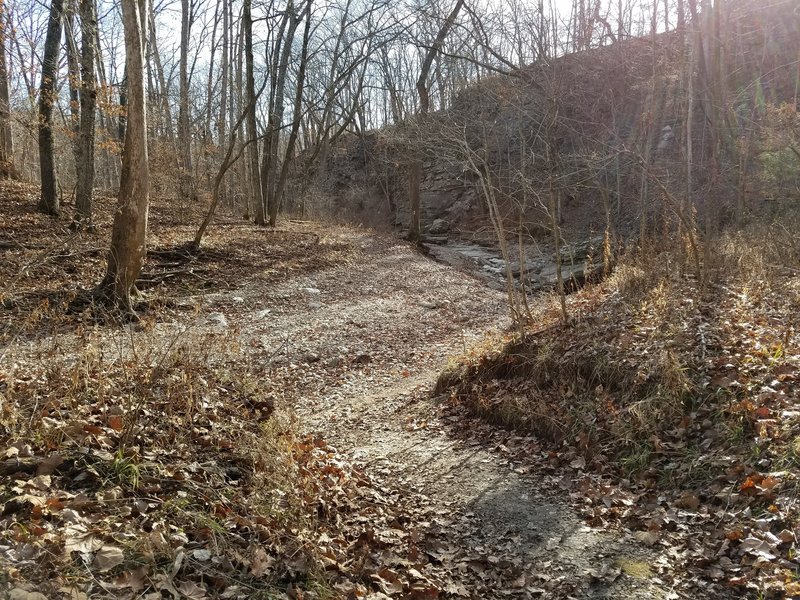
(49, 465)
(261, 563)
(388, 581)
(20, 594)
(79, 540)
(648, 538)
(688, 501)
(133, 580)
(192, 591)
(424, 592)
(108, 557)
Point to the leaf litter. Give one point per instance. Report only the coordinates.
(289, 448)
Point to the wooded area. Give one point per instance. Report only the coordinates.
(437, 299)
(253, 104)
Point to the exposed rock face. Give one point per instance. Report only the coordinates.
(439, 226)
(579, 261)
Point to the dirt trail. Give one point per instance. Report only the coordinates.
(355, 350)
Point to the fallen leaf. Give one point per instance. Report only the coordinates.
(192, 591)
(649, 538)
(108, 557)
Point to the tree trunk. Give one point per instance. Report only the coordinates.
(207, 137)
(252, 129)
(296, 115)
(123, 105)
(223, 95)
(73, 80)
(162, 83)
(6, 139)
(269, 165)
(88, 96)
(48, 202)
(129, 234)
(224, 68)
(415, 170)
(184, 133)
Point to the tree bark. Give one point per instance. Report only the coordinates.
(296, 115)
(162, 83)
(123, 105)
(184, 133)
(73, 79)
(207, 137)
(6, 138)
(129, 234)
(269, 164)
(88, 99)
(252, 128)
(48, 201)
(224, 69)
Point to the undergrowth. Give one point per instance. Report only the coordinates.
(138, 462)
(651, 354)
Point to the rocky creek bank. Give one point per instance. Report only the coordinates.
(535, 266)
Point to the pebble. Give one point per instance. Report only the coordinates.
(218, 319)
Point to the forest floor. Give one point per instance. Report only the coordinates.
(269, 430)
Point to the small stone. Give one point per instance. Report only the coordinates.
(263, 314)
(311, 291)
(201, 554)
(217, 319)
(314, 305)
(429, 304)
(333, 362)
(237, 300)
(311, 357)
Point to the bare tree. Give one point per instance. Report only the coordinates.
(252, 129)
(88, 100)
(6, 138)
(129, 234)
(184, 130)
(272, 137)
(280, 184)
(415, 170)
(49, 201)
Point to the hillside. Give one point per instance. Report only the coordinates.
(245, 370)
(670, 405)
(600, 112)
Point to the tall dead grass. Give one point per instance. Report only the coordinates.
(635, 365)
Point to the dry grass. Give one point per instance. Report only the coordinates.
(643, 358)
(169, 435)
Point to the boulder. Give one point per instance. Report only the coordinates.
(439, 226)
